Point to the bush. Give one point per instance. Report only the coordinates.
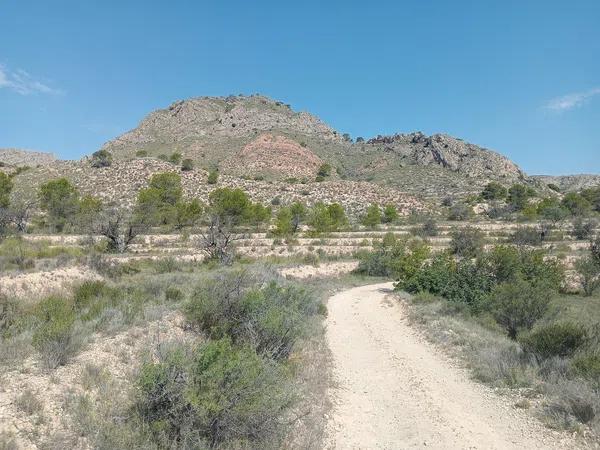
(390, 214)
(494, 191)
(225, 394)
(460, 211)
(372, 217)
(175, 158)
(156, 203)
(60, 200)
(526, 236)
(327, 218)
(101, 158)
(467, 242)
(583, 229)
(141, 153)
(393, 257)
(54, 337)
(576, 204)
(6, 186)
(270, 318)
(519, 195)
(324, 170)
(555, 339)
(187, 165)
(518, 305)
(173, 294)
(429, 228)
(587, 365)
(589, 274)
(9, 314)
(213, 177)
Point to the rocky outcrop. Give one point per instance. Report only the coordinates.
(450, 153)
(569, 183)
(276, 157)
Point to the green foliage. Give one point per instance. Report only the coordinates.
(175, 158)
(556, 339)
(589, 274)
(554, 187)
(187, 165)
(327, 218)
(213, 177)
(519, 195)
(390, 214)
(230, 205)
(576, 204)
(550, 209)
(60, 200)
(526, 236)
(592, 195)
(283, 222)
(156, 204)
(6, 186)
(141, 153)
(257, 214)
(467, 242)
(518, 305)
(393, 257)
(53, 337)
(460, 211)
(324, 170)
(587, 365)
(372, 217)
(101, 158)
(187, 214)
(88, 210)
(224, 394)
(494, 191)
(270, 319)
(429, 228)
(583, 229)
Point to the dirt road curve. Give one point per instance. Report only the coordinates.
(394, 390)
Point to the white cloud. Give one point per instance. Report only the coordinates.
(23, 83)
(571, 101)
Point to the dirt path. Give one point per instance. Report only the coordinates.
(394, 390)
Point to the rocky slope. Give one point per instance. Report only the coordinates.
(215, 131)
(19, 157)
(569, 183)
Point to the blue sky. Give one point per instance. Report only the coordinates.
(519, 77)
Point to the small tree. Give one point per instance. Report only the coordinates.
(299, 214)
(494, 191)
(518, 305)
(467, 242)
(231, 205)
(156, 203)
(216, 242)
(519, 195)
(589, 274)
(372, 217)
(60, 200)
(283, 222)
(101, 158)
(6, 186)
(119, 228)
(324, 170)
(187, 214)
(576, 204)
(390, 214)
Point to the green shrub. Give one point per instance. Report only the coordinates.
(60, 200)
(87, 292)
(324, 170)
(9, 314)
(54, 337)
(213, 177)
(101, 158)
(589, 274)
(494, 191)
(372, 217)
(270, 319)
(460, 211)
(467, 242)
(583, 229)
(587, 365)
(225, 394)
(518, 305)
(187, 165)
(141, 153)
(390, 214)
(526, 236)
(173, 294)
(556, 339)
(6, 186)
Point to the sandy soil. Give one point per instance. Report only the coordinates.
(394, 390)
(33, 285)
(331, 269)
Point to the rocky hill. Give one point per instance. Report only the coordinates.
(214, 132)
(19, 157)
(569, 183)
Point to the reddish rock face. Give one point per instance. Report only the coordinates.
(274, 156)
